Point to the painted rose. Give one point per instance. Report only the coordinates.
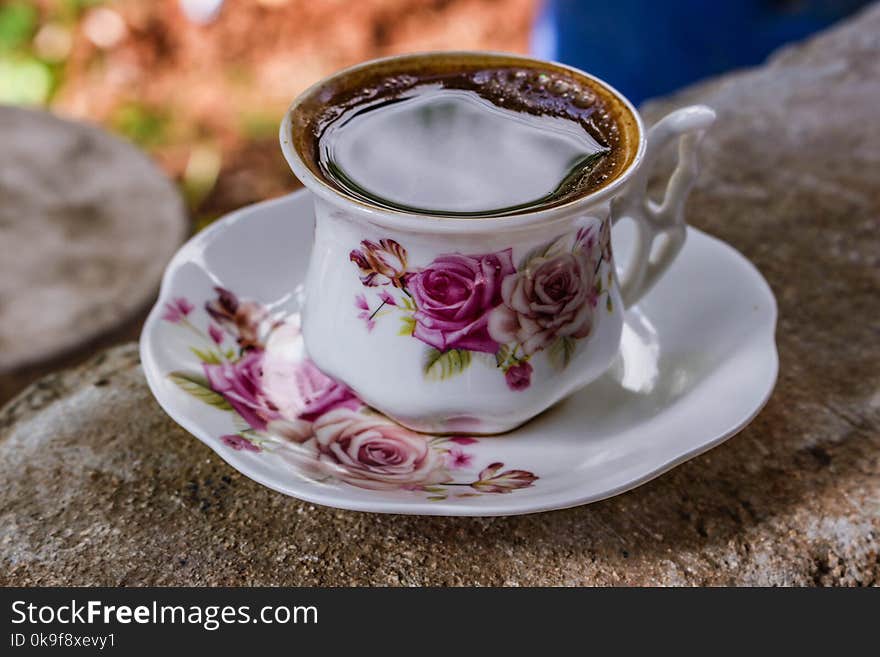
(241, 385)
(369, 451)
(493, 481)
(454, 295)
(553, 296)
(246, 321)
(296, 387)
(293, 430)
(519, 376)
(302, 393)
(381, 263)
(318, 393)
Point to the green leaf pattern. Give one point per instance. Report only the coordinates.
(440, 365)
(198, 387)
(408, 325)
(210, 357)
(561, 351)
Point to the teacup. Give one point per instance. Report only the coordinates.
(536, 310)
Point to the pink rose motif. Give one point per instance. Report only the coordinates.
(381, 263)
(301, 397)
(296, 387)
(454, 295)
(369, 451)
(318, 393)
(294, 430)
(519, 376)
(491, 481)
(552, 296)
(241, 385)
(246, 321)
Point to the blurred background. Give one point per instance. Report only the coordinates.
(201, 84)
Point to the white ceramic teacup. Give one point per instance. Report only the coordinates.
(476, 325)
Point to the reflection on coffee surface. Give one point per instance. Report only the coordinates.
(489, 142)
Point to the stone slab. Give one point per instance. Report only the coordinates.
(87, 224)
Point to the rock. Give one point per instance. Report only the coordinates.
(102, 488)
(87, 224)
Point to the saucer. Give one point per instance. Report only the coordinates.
(223, 355)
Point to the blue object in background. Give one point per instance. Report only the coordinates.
(649, 48)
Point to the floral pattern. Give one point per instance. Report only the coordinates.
(381, 263)
(482, 303)
(451, 296)
(284, 406)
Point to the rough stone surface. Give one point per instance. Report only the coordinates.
(102, 488)
(87, 224)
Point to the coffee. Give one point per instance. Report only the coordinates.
(488, 141)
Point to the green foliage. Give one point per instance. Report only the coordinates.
(561, 351)
(198, 387)
(24, 80)
(208, 357)
(408, 325)
(440, 365)
(18, 22)
(143, 125)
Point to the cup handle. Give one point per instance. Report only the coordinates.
(667, 217)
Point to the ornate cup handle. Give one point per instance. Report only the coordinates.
(654, 219)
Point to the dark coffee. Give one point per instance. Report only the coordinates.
(489, 141)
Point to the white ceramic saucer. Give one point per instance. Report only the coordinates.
(697, 362)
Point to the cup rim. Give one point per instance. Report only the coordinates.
(422, 222)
